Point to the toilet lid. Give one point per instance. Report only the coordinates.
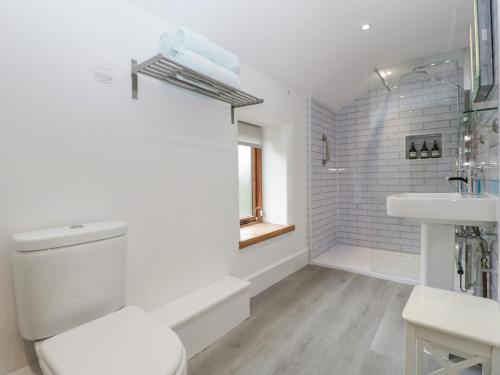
(126, 342)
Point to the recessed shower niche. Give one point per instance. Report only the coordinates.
(415, 150)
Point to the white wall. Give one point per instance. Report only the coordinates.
(274, 161)
(75, 150)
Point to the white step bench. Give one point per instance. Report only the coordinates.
(439, 321)
(205, 315)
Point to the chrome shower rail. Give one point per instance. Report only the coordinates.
(167, 70)
(375, 69)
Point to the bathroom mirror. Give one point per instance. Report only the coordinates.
(481, 51)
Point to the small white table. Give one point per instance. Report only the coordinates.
(441, 321)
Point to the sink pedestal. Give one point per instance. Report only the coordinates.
(437, 255)
(439, 213)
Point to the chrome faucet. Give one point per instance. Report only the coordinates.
(471, 182)
(465, 180)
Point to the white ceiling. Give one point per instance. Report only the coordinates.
(316, 46)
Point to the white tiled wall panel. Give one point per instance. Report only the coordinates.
(323, 178)
(371, 156)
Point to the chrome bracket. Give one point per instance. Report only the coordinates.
(135, 83)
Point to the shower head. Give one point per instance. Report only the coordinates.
(435, 63)
(420, 72)
(415, 75)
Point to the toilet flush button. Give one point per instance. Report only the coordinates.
(76, 226)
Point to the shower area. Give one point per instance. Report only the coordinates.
(365, 151)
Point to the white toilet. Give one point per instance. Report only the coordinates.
(70, 295)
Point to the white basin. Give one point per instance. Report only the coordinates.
(439, 213)
(444, 208)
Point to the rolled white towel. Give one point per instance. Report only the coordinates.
(200, 64)
(165, 45)
(186, 39)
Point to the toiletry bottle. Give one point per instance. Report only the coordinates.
(424, 152)
(435, 152)
(413, 152)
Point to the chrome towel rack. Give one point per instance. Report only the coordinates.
(167, 70)
(326, 142)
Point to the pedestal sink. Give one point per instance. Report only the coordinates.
(439, 213)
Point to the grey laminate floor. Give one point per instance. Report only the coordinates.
(316, 321)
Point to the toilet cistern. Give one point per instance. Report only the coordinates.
(70, 296)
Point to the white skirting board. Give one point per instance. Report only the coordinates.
(207, 314)
(34, 369)
(263, 279)
(198, 333)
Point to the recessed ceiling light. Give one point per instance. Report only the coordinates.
(365, 27)
(388, 73)
(401, 96)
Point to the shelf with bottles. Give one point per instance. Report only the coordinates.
(424, 146)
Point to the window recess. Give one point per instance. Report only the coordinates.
(250, 173)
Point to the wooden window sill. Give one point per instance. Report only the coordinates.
(255, 233)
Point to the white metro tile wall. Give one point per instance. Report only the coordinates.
(371, 151)
(322, 202)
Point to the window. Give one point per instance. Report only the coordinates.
(253, 229)
(250, 179)
(250, 173)
(245, 177)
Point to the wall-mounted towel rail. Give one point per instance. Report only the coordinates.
(165, 69)
(326, 142)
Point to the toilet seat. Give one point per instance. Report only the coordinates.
(126, 342)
